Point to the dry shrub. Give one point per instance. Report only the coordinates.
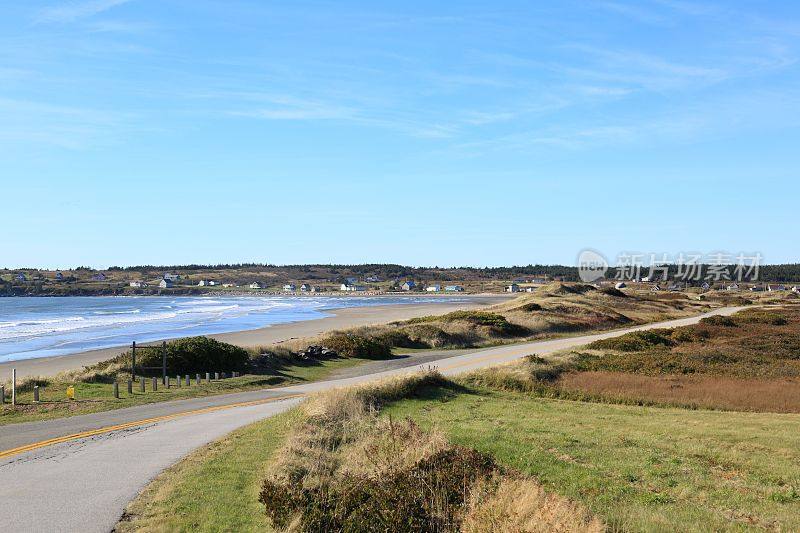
(346, 469)
(521, 505)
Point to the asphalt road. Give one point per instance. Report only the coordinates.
(78, 473)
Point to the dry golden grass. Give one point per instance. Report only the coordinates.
(520, 505)
(346, 467)
(710, 392)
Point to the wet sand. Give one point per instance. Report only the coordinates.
(340, 319)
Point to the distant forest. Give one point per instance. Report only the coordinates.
(775, 273)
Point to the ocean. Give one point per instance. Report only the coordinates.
(33, 327)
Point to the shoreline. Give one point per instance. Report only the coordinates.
(340, 318)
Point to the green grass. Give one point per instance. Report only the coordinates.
(97, 397)
(214, 489)
(638, 468)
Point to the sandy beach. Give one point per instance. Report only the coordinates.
(340, 319)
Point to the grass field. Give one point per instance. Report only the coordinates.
(639, 469)
(96, 397)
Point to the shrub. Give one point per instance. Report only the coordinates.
(717, 320)
(761, 317)
(191, 355)
(350, 344)
(634, 341)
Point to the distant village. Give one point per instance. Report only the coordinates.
(241, 281)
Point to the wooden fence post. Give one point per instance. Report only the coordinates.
(141, 384)
(13, 386)
(2, 394)
(188, 381)
(115, 387)
(133, 360)
(164, 362)
(198, 379)
(130, 387)
(178, 379)
(155, 384)
(36, 393)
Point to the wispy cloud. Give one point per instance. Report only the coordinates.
(75, 10)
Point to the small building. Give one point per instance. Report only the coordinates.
(775, 288)
(620, 285)
(453, 288)
(408, 285)
(255, 285)
(314, 288)
(229, 285)
(757, 288)
(166, 284)
(539, 281)
(20, 277)
(351, 281)
(433, 288)
(796, 289)
(59, 276)
(732, 287)
(99, 276)
(136, 284)
(512, 288)
(372, 279)
(530, 289)
(705, 286)
(171, 277)
(347, 287)
(205, 283)
(305, 287)
(656, 287)
(289, 287)
(674, 287)
(645, 279)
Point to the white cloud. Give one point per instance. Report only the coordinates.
(74, 10)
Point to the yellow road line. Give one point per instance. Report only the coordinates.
(126, 425)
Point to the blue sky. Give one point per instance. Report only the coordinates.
(423, 133)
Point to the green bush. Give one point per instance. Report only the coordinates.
(716, 320)
(191, 355)
(634, 341)
(348, 344)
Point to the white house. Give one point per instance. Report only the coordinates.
(454, 288)
(530, 289)
(408, 285)
(620, 285)
(512, 288)
(796, 289)
(289, 287)
(305, 287)
(228, 285)
(433, 288)
(645, 279)
(732, 287)
(372, 279)
(255, 285)
(136, 284)
(347, 287)
(166, 284)
(172, 277)
(204, 283)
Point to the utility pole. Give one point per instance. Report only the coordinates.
(133, 360)
(164, 363)
(13, 386)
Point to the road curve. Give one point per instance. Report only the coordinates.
(78, 473)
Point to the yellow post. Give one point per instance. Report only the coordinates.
(71, 392)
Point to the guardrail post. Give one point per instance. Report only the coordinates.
(198, 379)
(141, 384)
(130, 387)
(208, 377)
(155, 384)
(188, 381)
(216, 376)
(168, 383)
(13, 386)
(2, 394)
(115, 387)
(178, 379)
(36, 393)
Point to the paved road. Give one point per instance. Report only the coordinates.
(77, 474)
